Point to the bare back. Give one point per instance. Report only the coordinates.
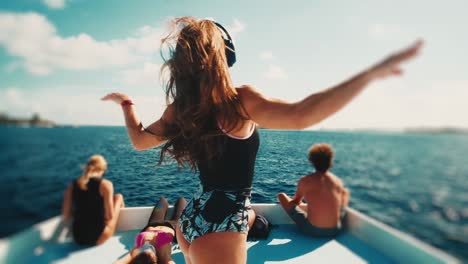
(325, 196)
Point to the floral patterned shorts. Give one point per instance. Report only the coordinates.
(216, 211)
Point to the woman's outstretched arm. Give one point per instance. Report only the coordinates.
(140, 137)
(274, 113)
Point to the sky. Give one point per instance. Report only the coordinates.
(59, 57)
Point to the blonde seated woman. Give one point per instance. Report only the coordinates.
(90, 203)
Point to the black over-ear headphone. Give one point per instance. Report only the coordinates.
(230, 51)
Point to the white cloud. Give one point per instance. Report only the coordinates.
(390, 104)
(266, 55)
(148, 75)
(41, 50)
(388, 32)
(382, 30)
(35, 40)
(235, 28)
(17, 103)
(80, 109)
(396, 104)
(54, 4)
(275, 72)
(13, 96)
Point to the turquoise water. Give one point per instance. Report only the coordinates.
(417, 183)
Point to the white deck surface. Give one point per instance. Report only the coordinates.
(285, 245)
(365, 241)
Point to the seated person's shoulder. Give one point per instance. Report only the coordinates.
(340, 185)
(303, 180)
(308, 182)
(106, 183)
(106, 186)
(337, 180)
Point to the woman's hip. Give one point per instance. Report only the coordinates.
(220, 247)
(215, 211)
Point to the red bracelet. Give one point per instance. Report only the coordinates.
(127, 102)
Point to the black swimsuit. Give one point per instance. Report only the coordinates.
(88, 212)
(223, 201)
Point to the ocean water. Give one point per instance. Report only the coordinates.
(417, 183)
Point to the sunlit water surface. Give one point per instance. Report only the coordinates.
(417, 183)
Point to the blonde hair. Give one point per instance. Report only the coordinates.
(96, 163)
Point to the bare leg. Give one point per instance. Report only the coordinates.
(159, 211)
(111, 225)
(183, 244)
(222, 247)
(252, 216)
(118, 204)
(119, 197)
(284, 200)
(303, 207)
(178, 209)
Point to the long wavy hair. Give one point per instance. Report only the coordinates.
(199, 90)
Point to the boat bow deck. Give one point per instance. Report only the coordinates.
(365, 241)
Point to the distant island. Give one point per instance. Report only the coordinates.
(408, 130)
(437, 130)
(35, 120)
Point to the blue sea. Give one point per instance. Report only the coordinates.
(417, 183)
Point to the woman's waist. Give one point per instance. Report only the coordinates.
(235, 190)
(226, 183)
(88, 216)
(240, 195)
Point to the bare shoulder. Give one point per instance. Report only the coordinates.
(246, 89)
(266, 111)
(300, 181)
(106, 186)
(338, 183)
(307, 182)
(306, 178)
(168, 115)
(106, 182)
(336, 180)
(249, 94)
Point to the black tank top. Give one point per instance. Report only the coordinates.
(234, 168)
(88, 212)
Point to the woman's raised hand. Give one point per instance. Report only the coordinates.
(391, 65)
(118, 98)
